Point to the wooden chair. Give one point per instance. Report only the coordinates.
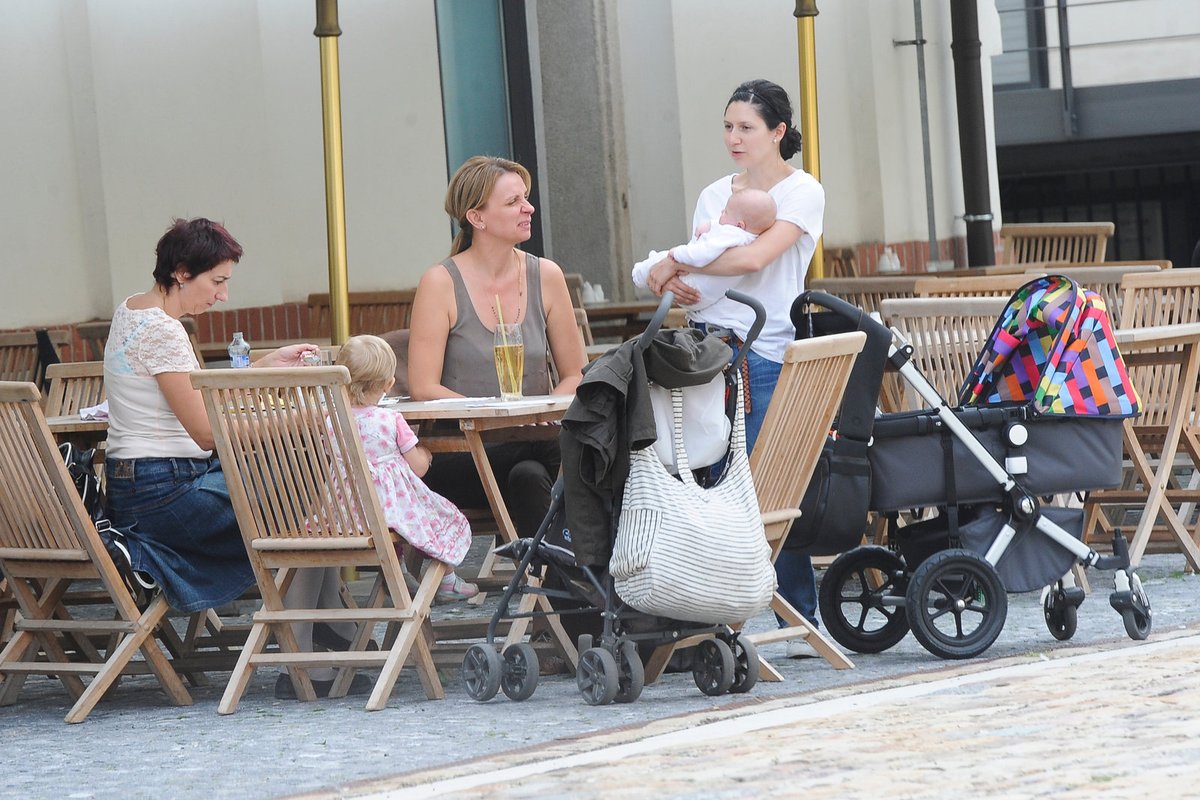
(19, 355)
(799, 417)
(585, 330)
(840, 262)
(868, 292)
(1154, 298)
(74, 386)
(304, 497)
(946, 333)
(48, 542)
(1104, 278)
(983, 286)
(370, 312)
(575, 287)
(1055, 241)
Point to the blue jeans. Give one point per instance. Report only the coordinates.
(180, 528)
(794, 571)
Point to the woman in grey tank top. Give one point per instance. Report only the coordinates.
(458, 304)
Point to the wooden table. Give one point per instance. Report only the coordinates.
(1172, 355)
(512, 420)
(619, 321)
(84, 432)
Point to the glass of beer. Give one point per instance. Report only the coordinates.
(509, 350)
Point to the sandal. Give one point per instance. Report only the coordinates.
(454, 588)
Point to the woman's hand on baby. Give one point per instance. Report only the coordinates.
(684, 295)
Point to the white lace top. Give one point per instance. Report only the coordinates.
(141, 344)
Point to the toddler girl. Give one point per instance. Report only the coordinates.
(423, 518)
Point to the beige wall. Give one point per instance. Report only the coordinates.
(133, 113)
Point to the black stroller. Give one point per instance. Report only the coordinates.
(1040, 414)
(613, 639)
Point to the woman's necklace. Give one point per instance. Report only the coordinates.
(520, 312)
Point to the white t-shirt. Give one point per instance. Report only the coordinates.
(800, 200)
(143, 343)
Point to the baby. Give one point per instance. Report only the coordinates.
(748, 213)
(422, 517)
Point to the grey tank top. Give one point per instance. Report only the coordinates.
(469, 367)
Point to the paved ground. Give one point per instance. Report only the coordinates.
(135, 746)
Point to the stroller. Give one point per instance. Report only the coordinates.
(612, 637)
(1040, 414)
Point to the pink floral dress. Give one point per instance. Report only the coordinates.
(424, 518)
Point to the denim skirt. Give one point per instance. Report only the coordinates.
(180, 528)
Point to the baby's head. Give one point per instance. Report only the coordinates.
(372, 365)
(751, 209)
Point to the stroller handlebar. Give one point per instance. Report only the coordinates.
(668, 298)
(857, 317)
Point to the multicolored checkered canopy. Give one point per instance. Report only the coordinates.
(1053, 348)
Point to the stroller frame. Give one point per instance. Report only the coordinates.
(610, 669)
(959, 582)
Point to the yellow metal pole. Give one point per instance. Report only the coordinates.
(805, 13)
(327, 32)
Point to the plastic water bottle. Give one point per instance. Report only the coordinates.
(239, 351)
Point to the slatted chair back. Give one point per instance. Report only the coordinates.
(1055, 241)
(19, 355)
(797, 422)
(575, 288)
(947, 334)
(304, 497)
(1104, 278)
(1165, 297)
(370, 312)
(585, 330)
(94, 335)
(47, 542)
(866, 292)
(982, 286)
(1149, 299)
(74, 386)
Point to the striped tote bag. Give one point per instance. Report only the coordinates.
(690, 553)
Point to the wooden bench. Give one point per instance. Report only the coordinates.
(1054, 241)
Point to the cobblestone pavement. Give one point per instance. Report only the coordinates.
(1111, 723)
(134, 745)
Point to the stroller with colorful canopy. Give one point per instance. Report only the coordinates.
(1040, 414)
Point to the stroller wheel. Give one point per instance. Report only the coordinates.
(597, 676)
(519, 677)
(1062, 616)
(956, 604)
(745, 665)
(481, 671)
(713, 667)
(1135, 610)
(853, 603)
(631, 675)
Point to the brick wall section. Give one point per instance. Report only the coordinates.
(286, 321)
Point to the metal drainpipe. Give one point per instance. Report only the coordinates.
(972, 131)
(919, 42)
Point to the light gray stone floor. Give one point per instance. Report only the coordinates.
(134, 745)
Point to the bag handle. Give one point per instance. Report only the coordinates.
(737, 440)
